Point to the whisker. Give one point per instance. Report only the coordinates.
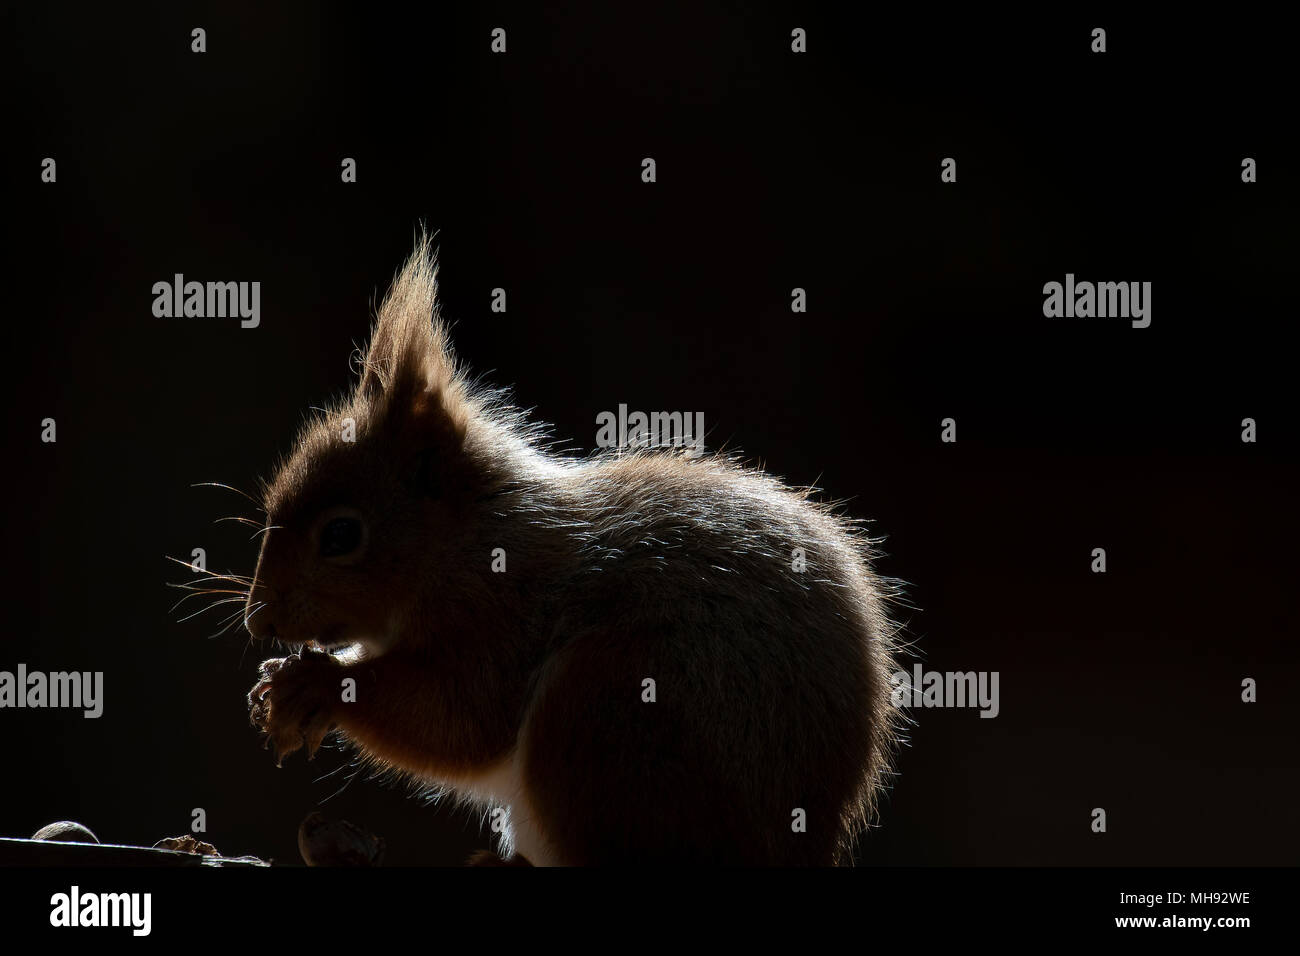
(195, 589)
(236, 595)
(244, 650)
(236, 518)
(230, 621)
(212, 575)
(218, 484)
(238, 613)
(209, 607)
(199, 583)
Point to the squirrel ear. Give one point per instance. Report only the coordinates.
(408, 368)
(408, 342)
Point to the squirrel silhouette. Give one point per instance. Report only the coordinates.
(647, 656)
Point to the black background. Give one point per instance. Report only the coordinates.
(775, 170)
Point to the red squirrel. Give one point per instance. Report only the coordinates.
(646, 656)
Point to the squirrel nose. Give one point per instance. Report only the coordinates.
(258, 619)
(259, 611)
(259, 624)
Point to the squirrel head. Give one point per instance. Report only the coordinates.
(372, 503)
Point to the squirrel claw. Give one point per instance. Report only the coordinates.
(292, 703)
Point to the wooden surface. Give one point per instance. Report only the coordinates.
(15, 852)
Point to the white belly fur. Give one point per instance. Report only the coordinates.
(502, 786)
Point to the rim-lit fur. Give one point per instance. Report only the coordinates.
(771, 682)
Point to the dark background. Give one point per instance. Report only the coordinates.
(1119, 691)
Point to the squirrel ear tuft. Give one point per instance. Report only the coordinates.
(408, 365)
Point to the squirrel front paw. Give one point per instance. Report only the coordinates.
(295, 702)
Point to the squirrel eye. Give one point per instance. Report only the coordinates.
(340, 536)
